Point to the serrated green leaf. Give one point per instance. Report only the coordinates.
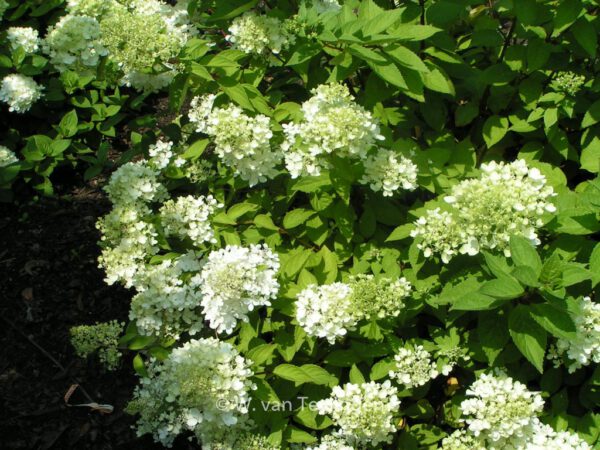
(523, 253)
(529, 337)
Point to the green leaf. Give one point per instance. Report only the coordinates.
(465, 114)
(494, 129)
(223, 219)
(526, 275)
(523, 253)
(308, 373)
(406, 58)
(265, 221)
(529, 337)
(381, 369)
(527, 11)
(310, 184)
(567, 13)
(590, 155)
(58, 147)
(592, 115)
(330, 265)
(342, 358)
(574, 273)
(295, 261)
(366, 54)
(196, 149)
(475, 302)
(552, 270)
(68, 124)
(236, 92)
(497, 264)
(422, 409)
(139, 366)
(310, 418)
(303, 53)
(228, 9)
(401, 232)
(356, 375)
(371, 331)
(595, 265)
(239, 209)
(586, 35)
(381, 22)
(437, 80)
(504, 288)
(389, 72)
(296, 435)
(412, 32)
(264, 391)
(555, 319)
(261, 354)
(493, 334)
(140, 342)
(297, 217)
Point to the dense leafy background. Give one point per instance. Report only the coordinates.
(454, 84)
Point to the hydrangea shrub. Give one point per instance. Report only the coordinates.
(367, 225)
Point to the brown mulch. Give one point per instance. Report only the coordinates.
(49, 282)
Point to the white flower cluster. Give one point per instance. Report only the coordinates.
(128, 238)
(507, 199)
(413, 367)
(584, 348)
(234, 281)
(7, 156)
(74, 43)
(364, 412)
(333, 124)
(259, 34)
(168, 298)
(325, 6)
(232, 439)
(200, 110)
(538, 436)
(161, 155)
(143, 37)
(202, 386)
(242, 142)
(25, 38)
(133, 183)
(389, 172)
(568, 82)
(127, 235)
(462, 440)
(189, 217)
(378, 298)
(329, 311)
(91, 8)
(326, 311)
(499, 408)
(439, 233)
(543, 437)
(331, 442)
(140, 37)
(19, 92)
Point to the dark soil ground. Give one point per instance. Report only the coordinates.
(49, 282)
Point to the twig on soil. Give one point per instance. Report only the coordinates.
(102, 409)
(46, 354)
